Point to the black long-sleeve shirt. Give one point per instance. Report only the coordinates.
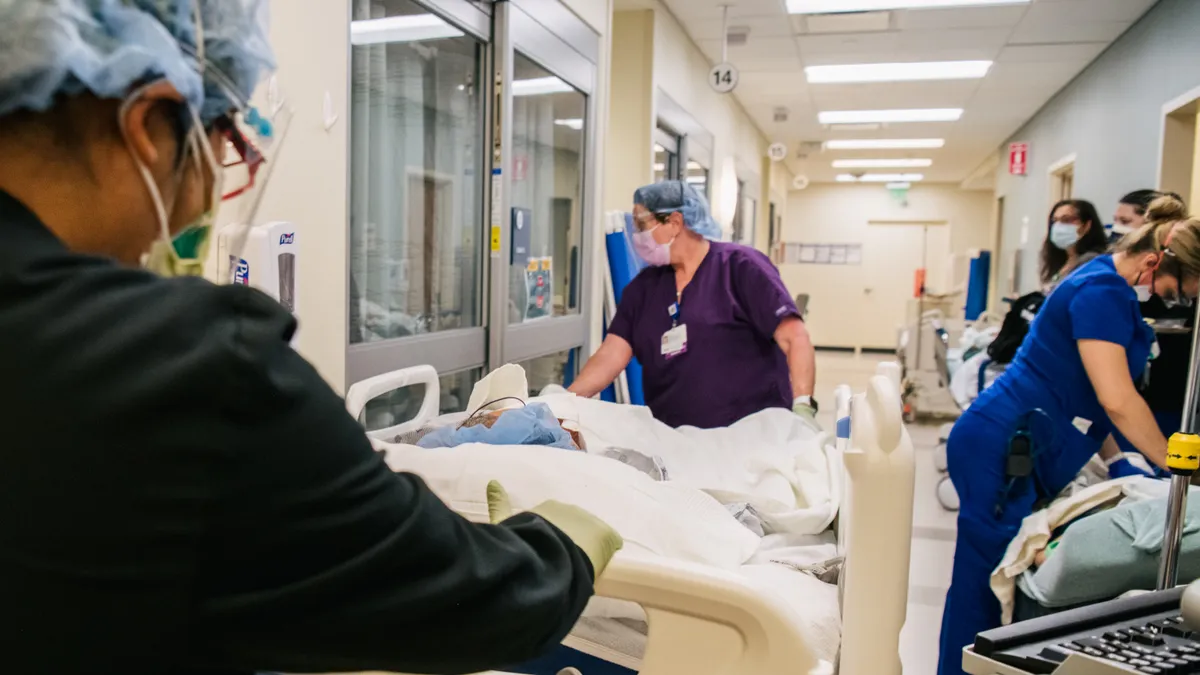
(180, 492)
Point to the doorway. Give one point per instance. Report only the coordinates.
(1179, 169)
(893, 254)
(1062, 180)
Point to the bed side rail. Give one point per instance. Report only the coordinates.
(362, 393)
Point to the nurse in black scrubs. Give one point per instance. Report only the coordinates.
(180, 492)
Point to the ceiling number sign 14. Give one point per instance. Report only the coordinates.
(723, 78)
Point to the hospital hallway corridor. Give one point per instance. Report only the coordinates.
(933, 527)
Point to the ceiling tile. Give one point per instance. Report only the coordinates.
(952, 19)
(1066, 13)
(1084, 53)
(1080, 32)
(759, 27)
(953, 94)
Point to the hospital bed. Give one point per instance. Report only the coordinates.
(703, 619)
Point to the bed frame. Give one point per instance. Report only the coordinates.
(708, 621)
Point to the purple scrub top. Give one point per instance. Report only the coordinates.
(732, 367)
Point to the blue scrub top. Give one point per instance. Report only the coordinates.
(1093, 303)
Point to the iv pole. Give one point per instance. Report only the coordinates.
(1183, 459)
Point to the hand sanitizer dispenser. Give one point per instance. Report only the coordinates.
(267, 261)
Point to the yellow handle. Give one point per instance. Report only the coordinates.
(1183, 452)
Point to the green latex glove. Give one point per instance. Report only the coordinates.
(598, 541)
(806, 413)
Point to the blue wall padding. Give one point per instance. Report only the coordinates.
(977, 285)
(625, 265)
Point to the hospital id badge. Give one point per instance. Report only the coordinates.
(674, 341)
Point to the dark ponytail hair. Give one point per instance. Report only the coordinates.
(1095, 240)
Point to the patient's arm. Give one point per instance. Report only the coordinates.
(604, 367)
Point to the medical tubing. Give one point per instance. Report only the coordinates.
(483, 407)
(1182, 461)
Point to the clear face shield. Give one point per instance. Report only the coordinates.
(238, 150)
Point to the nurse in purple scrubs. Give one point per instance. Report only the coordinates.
(717, 333)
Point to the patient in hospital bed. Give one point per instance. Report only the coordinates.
(1093, 545)
(757, 498)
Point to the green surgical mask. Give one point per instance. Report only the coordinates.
(185, 255)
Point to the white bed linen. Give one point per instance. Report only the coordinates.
(773, 460)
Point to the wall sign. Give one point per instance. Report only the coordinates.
(817, 254)
(723, 78)
(1018, 159)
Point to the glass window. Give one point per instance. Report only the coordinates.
(416, 173)
(403, 405)
(557, 369)
(549, 129)
(697, 177)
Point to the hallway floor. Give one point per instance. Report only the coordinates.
(933, 527)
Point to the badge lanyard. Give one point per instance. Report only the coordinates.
(675, 309)
(674, 341)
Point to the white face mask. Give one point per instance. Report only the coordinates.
(1144, 292)
(1064, 235)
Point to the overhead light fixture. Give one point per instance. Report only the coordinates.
(697, 180)
(412, 28)
(898, 186)
(539, 86)
(898, 72)
(881, 178)
(576, 124)
(855, 127)
(660, 167)
(881, 163)
(845, 6)
(886, 116)
(885, 144)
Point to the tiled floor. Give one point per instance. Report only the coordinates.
(933, 527)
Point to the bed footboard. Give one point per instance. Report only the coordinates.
(878, 535)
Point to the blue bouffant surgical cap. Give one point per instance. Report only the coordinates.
(52, 48)
(676, 195)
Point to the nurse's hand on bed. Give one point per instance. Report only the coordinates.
(598, 541)
(806, 413)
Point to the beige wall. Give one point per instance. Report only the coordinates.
(630, 154)
(309, 186)
(859, 305)
(681, 72)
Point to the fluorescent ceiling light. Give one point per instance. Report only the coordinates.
(413, 28)
(886, 144)
(898, 186)
(576, 124)
(881, 178)
(539, 86)
(898, 72)
(885, 116)
(881, 163)
(660, 167)
(855, 127)
(697, 180)
(843, 6)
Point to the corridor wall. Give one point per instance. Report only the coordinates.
(1110, 119)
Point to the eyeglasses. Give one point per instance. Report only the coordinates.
(245, 154)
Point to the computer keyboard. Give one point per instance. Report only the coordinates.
(1142, 634)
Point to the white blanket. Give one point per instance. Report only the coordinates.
(773, 460)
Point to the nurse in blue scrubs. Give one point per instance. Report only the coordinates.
(1069, 386)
